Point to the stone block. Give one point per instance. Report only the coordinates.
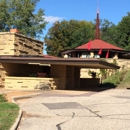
(19, 44)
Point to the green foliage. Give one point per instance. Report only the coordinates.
(125, 83)
(118, 35)
(115, 78)
(112, 77)
(3, 97)
(115, 62)
(108, 31)
(68, 34)
(127, 77)
(105, 73)
(20, 14)
(8, 114)
(123, 34)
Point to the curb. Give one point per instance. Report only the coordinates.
(17, 121)
(22, 97)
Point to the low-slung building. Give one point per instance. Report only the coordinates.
(23, 65)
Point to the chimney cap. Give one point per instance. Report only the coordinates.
(14, 30)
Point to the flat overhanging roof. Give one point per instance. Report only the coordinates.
(80, 62)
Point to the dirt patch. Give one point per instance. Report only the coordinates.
(25, 115)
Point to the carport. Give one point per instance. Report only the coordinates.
(66, 70)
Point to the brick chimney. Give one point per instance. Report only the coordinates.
(14, 30)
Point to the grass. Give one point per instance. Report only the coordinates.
(8, 113)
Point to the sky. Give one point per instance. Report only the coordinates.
(58, 10)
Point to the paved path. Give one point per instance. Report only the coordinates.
(106, 110)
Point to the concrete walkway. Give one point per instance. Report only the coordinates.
(54, 110)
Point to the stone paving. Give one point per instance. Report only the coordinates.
(106, 110)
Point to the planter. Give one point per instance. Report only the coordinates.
(41, 74)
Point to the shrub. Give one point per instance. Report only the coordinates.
(3, 97)
(105, 73)
(115, 78)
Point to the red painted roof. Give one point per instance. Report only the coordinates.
(97, 44)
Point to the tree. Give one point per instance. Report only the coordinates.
(68, 34)
(21, 14)
(123, 29)
(4, 16)
(108, 32)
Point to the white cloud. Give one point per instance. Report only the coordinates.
(52, 19)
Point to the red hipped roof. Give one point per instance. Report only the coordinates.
(97, 44)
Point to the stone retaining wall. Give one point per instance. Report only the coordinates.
(29, 83)
(123, 63)
(18, 44)
(59, 71)
(24, 70)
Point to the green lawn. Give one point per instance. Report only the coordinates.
(8, 114)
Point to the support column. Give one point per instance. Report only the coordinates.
(73, 54)
(59, 71)
(70, 77)
(77, 77)
(91, 54)
(115, 56)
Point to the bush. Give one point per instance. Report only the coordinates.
(3, 97)
(105, 73)
(115, 78)
(125, 83)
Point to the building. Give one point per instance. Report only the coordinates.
(23, 66)
(99, 49)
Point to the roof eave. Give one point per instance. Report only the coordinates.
(81, 62)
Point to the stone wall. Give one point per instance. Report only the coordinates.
(70, 77)
(17, 44)
(7, 44)
(76, 77)
(2, 75)
(21, 76)
(8, 69)
(123, 63)
(59, 71)
(29, 83)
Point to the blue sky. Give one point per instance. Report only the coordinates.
(57, 10)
